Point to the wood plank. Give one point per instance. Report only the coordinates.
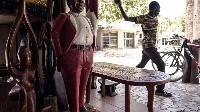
(127, 98)
(151, 93)
(103, 87)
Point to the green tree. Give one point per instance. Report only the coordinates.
(176, 24)
(182, 22)
(109, 11)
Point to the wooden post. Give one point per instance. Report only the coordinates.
(188, 35)
(127, 98)
(196, 33)
(189, 19)
(194, 68)
(103, 87)
(187, 71)
(151, 92)
(196, 19)
(192, 32)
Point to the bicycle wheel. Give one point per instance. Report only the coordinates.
(170, 63)
(174, 65)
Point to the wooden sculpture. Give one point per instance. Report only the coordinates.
(24, 72)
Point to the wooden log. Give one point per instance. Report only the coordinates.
(46, 109)
(51, 101)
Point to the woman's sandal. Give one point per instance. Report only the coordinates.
(163, 93)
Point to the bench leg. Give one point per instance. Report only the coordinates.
(94, 85)
(151, 93)
(127, 98)
(103, 87)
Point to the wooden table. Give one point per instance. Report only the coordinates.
(128, 76)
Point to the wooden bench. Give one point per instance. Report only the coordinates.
(110, 87)
(128, 76)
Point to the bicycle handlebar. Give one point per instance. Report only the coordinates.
(187, 43)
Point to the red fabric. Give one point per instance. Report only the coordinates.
(75, 65)
(63, 34)
(87, 5)
(92, 5)
(75, 68)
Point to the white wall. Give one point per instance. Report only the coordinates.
(120, 39)
(120, 44)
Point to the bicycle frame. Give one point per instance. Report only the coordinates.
(176, 57)
(177, 53)
(175, 60)
(186, 45)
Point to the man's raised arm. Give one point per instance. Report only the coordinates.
(132, 19)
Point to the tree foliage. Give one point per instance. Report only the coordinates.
(176, 24)
(110, 11)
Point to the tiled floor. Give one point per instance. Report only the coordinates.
(186, 98)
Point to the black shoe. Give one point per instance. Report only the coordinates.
(163, 93)
(83, 109)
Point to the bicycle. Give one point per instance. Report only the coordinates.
(175, 63)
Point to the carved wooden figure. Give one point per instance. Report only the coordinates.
(23, 91)
(24, 72)
(74, 42)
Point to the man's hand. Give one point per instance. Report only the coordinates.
(118, 2)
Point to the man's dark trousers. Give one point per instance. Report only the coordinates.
(152, 53)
